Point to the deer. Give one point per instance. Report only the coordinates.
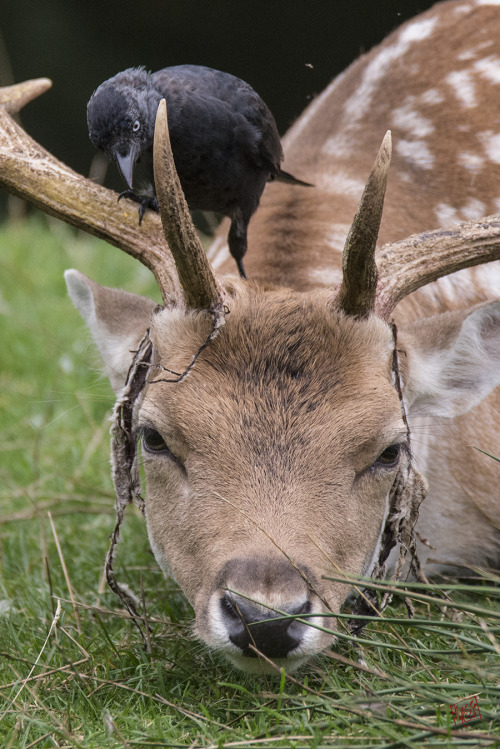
(319, 420)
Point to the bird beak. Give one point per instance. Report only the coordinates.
(126, 166)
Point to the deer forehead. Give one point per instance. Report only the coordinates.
(283, 368)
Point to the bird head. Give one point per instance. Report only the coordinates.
(120, 119)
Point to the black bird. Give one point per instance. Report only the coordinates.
(224, 140)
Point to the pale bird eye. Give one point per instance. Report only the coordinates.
(136, 126)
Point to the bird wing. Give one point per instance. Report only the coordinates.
(227, 106)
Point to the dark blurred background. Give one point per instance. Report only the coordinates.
(288, 50)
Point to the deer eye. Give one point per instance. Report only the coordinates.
(153, 441)
(389, 457)
(136, 126)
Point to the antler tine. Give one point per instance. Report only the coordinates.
(356, 295)
(32, 173)
(376, 281)
(14, 98)
(407, 265)
(195, 274)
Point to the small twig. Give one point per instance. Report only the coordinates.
(489, 635)
(112, 612)
(82, 650)
(66, 575)
(101, 586)
(37, 741)
(217, 323)
(359, 666)
(51, 590)
(188, 713)
(267, 740)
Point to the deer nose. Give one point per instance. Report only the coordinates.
(259, 598)
(273, 633)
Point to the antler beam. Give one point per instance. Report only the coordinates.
(408, 265)
(32, 173)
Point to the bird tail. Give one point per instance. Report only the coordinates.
(286, 177)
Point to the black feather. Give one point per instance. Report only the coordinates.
(224, 140)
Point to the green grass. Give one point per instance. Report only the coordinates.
(77, 675)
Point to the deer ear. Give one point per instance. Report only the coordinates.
(117, 321)
(453, 361)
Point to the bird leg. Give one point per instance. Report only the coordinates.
(237, 238)
(143, 200)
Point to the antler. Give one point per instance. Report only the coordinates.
(14, 98)
(408, 265)
(28, 170)
(201, 290)
(359, 272)
(376, 281)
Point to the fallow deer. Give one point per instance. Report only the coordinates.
(287, 421)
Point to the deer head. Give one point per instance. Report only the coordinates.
(272, 422)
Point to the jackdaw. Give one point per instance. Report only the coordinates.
(223, 136)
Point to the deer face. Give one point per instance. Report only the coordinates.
(269, 466)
